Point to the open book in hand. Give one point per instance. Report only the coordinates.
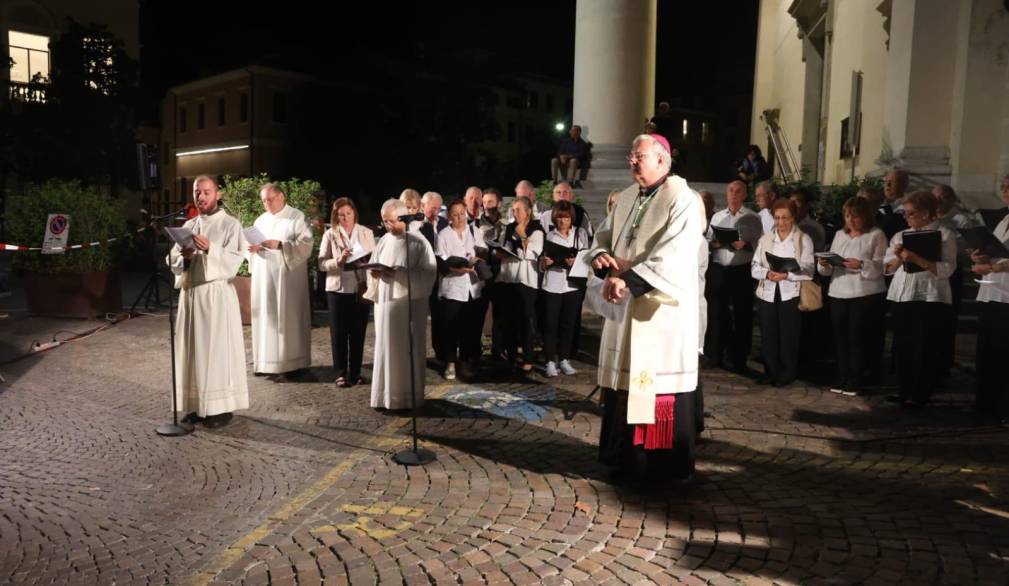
(835, 259)
(981, 239)
(496, 246)
(782, 264)
(725, 235)
(458, 262)
(925, 243)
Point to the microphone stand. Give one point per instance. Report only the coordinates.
(416, 456)
(176, 427)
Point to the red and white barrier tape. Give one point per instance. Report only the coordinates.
(19, 248)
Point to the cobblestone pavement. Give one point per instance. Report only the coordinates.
(793, 486)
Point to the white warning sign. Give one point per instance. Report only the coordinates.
(57, 234)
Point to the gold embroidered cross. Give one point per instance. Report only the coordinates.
(644, 381)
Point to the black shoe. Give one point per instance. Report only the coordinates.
(217, 421)
(192, 418)
(894, 399)
(763, 380)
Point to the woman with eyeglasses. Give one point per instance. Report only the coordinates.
(992, 394)
(919, 292)
(778, 293)
(459, 289)
(345, 246)
(523, 238)
(857, 292)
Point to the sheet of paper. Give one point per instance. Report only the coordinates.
(254, 235)
(582, 265)
(181, 236)
(598, 304)
(357, 252)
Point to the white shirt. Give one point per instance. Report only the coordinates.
(870, 248)
(547, 221)
(766, 220)
(786, 249)
(748, 224)
(923, 285)
(997, 290)
(456, 286)
(523, 269)
(348, 279)
(555, 278)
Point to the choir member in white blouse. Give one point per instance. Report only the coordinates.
(919, 297)
(778, 294)
(460, 289)
(562, 297)
(992, 397)
(519, 279)
(857, 292)
(344, 247)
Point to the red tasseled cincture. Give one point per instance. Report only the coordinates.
(658, 435)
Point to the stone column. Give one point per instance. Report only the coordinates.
(614, 85)
(918, 104)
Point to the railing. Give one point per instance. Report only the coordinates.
(32, 92)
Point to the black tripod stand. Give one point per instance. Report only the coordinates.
(152, 288)
(176, 427)
(416, 456)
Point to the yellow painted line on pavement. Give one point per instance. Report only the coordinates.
(236, 550)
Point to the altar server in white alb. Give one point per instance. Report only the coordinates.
(649, 246)
(209, 350)
(281, 310)
(395, 310)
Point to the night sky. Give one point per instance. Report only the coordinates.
(186, 39)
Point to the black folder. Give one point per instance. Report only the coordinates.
(992, 217)
(493, 245)
(982, 240)
(926, 244)
(835, 259)
(725, 235)
(782, 264)
(558, 252)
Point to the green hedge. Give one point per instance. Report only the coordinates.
(93, 217)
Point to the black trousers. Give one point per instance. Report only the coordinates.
(348, 320)
(853, 325)
(519, 318)
(916, 330)
(951, 313)
(460, 319)
(780, 329)
(497, 294)
(560, 322)
(475, 333)
(731, 322)
(616, 439)
(992, 349)
(437, 325)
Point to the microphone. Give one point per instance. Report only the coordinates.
(411, 217)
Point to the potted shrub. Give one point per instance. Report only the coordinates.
(79, 282)
(240, 196)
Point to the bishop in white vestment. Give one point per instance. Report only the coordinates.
(281, 309)
(390, 382)
(648, 362)
(209, 349)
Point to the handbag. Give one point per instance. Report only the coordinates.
(810, 292)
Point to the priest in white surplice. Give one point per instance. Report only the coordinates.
(281, 310)
(648, 362)
(390, 382)
(209, 350)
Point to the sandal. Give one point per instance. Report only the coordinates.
(360, 381)
(342, 382)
